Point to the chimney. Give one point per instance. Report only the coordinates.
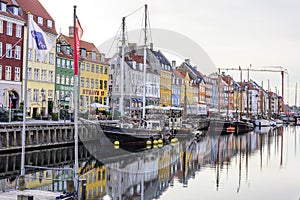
(187, 61)
(174, 64)
(151, 46)
(71, 31)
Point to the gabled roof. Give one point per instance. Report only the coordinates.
(162, 59)
(136, 58)
(8, 13)
(37, 10)
(179, 73)
(193, 70)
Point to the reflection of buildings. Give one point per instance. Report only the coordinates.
(95, 176)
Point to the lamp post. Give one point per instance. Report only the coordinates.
(43, 98)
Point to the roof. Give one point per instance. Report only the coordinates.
(162, 59)
(137, 59)
(36, 9)
(179, 73)
(8, 13)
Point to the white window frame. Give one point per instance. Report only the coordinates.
(57, 78)
(17, 73)
(49, 23)
(1, 26)
(7, 72)
(0, 72)
(9, 28)
(40, 20)
(50, 76)
(18, 52)
(29, 73)
(44, 75)
(29, 54)
(1, 49)
(36, 74)
(18, 31)
(51, 58)
(8, 50)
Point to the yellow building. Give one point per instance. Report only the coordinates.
(40, 73)
(93, 73)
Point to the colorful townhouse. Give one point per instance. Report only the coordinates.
(12, 41)
(40, 73)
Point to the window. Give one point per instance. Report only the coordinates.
(63, 63)
(50, 76)
(72, 64)
(93, 68)
(35, 95)
(94, 55)
(81, 82)
(8, 73)
(62, 79)
(72, 80)
(97, 69)
(67, 80)
(105, 85)
(15, 10)
(58, 78)
(58, 62)
(49, 23)
(36, 56)
(1, 49)
(18, 31)
(18, 52)
(82, 66)
(8, 51)
(29, 73)
(68, 64)
(40, 20)
(83, 53)
(101, 84)
(87, 67)
(101, 69)
(87, 83)
(3, 6)
(44, 75)
(105, 70)
(1, 26)
(92, 83)
(96, 83)
(50, 94)
(29, 54)
(36, 74)
(9, 28)
(0, 72)
(58, 48)
(51, 58)
(17, 73)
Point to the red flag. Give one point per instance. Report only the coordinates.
(10, 103)
(78, 31)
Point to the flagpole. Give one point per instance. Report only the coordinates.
(76, 107)
(22, 176)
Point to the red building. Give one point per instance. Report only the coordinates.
(11, 54)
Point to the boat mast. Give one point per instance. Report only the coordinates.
(121, 102)
(241, 93)
(296, 96)
(145, 62)
(219, 95)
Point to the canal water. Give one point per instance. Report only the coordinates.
(263, 164)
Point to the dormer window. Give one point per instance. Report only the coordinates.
(15, 10)
(49, 23)
(40, 20)
(94, 55)
(83, 53)
(3, 6)
(68, 50)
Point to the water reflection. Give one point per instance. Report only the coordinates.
(232, 161)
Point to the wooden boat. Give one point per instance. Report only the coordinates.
(243, 127)
(220, 126)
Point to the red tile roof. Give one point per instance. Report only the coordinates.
(137, 59)
(37, 10)
(180, 73)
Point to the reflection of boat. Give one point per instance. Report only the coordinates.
(262, 122)
(262, 130)
(243, 127)
(220, 126)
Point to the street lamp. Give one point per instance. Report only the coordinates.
(43, 99)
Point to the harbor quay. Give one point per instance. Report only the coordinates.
(39, 134)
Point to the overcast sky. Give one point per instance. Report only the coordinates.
(232, 32)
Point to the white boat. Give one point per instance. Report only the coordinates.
(279, 122)
(262, 130)
(272, 122)
(262, 122)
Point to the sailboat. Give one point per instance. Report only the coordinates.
(242, 125)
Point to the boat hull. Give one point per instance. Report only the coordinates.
(243, 127)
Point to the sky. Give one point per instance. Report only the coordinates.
(232, 32)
